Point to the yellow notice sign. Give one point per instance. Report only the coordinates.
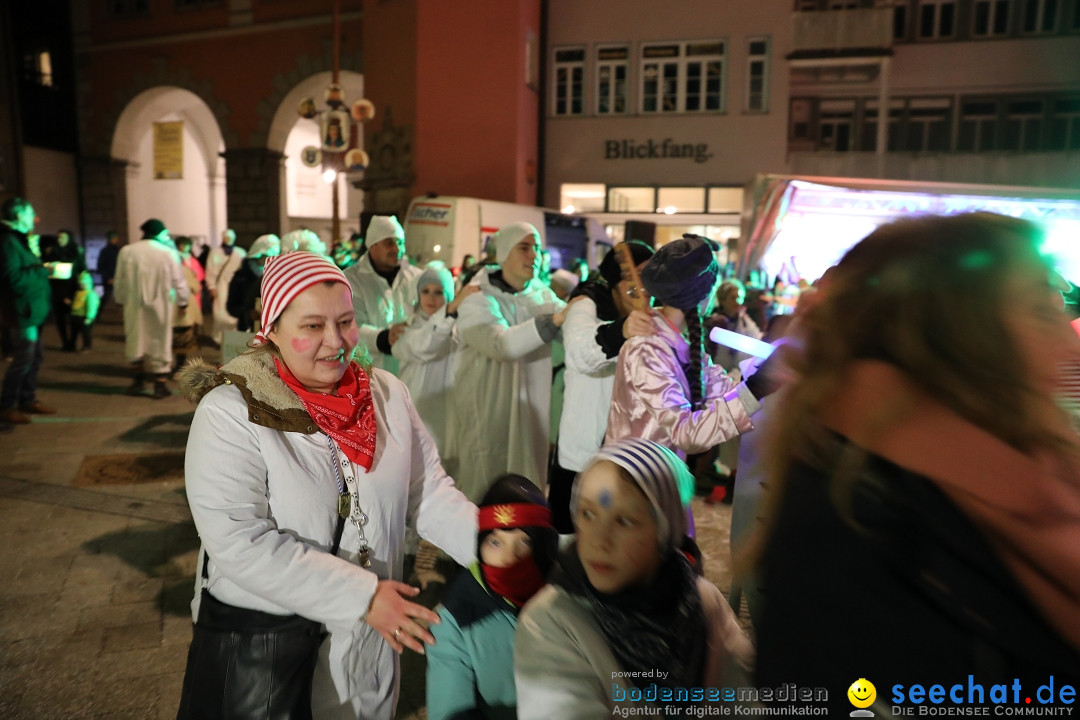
(168, 150)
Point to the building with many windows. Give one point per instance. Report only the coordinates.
(38, 131)
(664, 112)
(666, 115)
(628, 109)
(197, 111)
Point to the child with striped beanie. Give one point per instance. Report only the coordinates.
(624, 603)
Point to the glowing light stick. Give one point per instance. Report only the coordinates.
(742, 343)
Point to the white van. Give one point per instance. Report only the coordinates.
(449, 228)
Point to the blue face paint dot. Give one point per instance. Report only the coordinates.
(605, 499)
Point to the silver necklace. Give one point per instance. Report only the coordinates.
(349, 503)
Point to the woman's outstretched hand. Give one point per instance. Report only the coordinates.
(403, 624)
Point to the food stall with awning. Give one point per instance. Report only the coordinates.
(796, 227)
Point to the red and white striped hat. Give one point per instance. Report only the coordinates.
(287, 276)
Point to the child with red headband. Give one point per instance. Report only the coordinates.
(470, 668)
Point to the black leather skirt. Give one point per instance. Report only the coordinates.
(249, 665)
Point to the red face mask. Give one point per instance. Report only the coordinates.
(516, 583)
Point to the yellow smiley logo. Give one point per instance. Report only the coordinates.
(862, 693)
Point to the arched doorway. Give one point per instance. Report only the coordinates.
(307, 197)
(192, 204)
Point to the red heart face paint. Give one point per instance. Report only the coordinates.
(301, 345)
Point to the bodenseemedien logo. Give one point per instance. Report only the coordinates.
(653, 699)
(862, 694)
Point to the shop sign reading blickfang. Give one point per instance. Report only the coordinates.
(666, 149)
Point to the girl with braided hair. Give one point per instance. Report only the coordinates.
(666, 388)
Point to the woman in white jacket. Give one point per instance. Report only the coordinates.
(287, 438)
(425, 349)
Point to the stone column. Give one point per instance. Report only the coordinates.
(253, 189)
(104, 195)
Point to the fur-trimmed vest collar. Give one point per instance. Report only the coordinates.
(270, 401)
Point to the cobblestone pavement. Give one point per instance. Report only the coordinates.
(94, 617)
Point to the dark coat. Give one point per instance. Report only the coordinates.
(106, 264)
(25, 296)
(912, 593)
(244, 289)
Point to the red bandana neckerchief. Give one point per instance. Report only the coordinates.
(348, 417)
(517, 583)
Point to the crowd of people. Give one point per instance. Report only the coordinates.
(907, 502)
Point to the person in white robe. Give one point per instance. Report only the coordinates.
(384, 289)
(221, 264)
(427, 349)
(501, 400)
(150, 284)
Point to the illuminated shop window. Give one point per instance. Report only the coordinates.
(631, 199)
(581, 197)
(671, 200)
(725, 199)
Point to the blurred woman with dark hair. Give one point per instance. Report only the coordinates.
(923, 508)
